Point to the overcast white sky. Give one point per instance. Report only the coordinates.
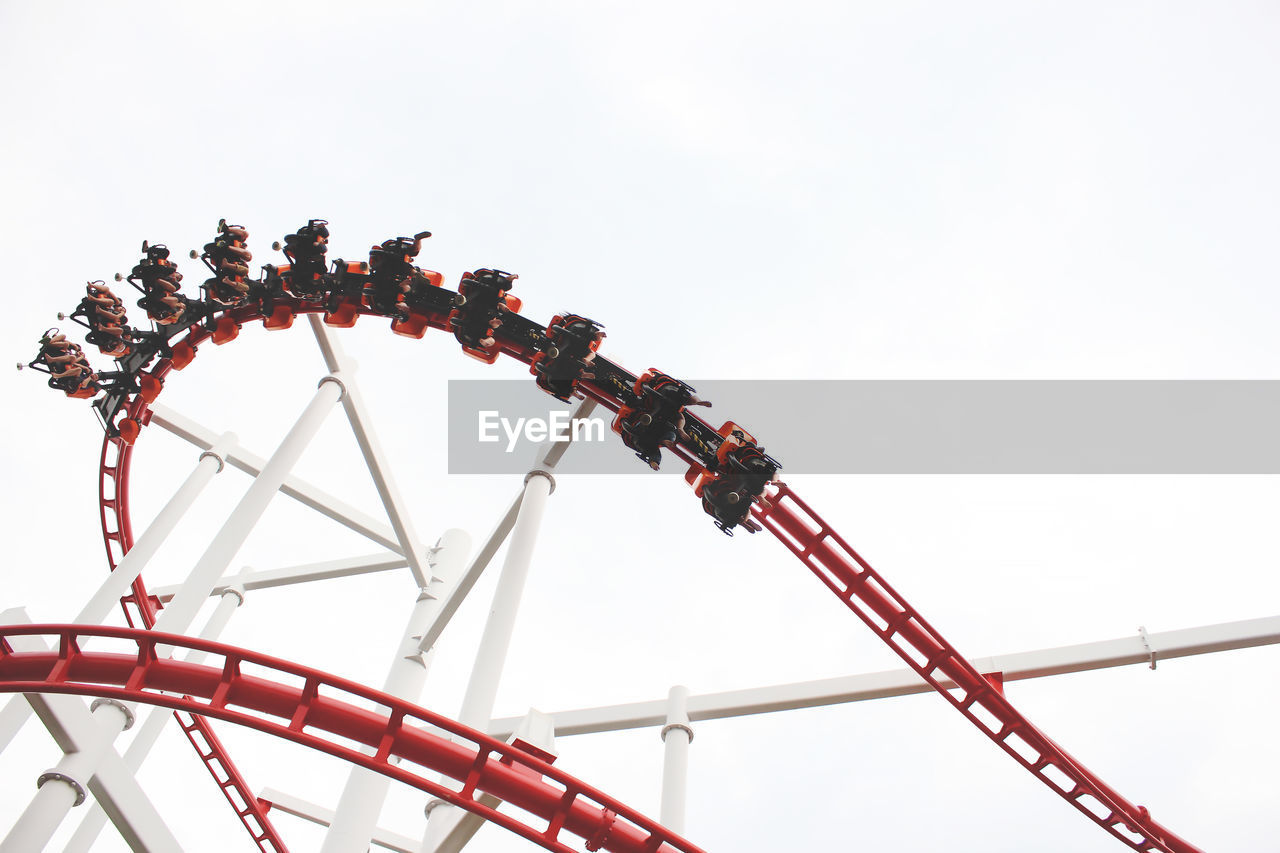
(736, 190)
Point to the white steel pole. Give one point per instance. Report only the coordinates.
(182, 610)
(491, 656)
(371, 450)
(131, 565)
(211, 565)
(63, 787)
(117, 584)
(149, 732)
(355, 819)
(677, 734)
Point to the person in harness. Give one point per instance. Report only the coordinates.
(739, 479)
(306, 250)
(482, 300)
(227, 257)
(69, 371)
(103, 313)
(566, 358)
(390, 272)
(657, 420)
(158, 279)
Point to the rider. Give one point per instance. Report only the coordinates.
(306, 253)
(391, 267)
(658, 420)
(481, 302)
(228, 258)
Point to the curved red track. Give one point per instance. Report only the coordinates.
(798, 528)
(314, 709)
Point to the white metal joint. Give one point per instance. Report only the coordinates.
(688, 730)
(115, 703)
(431, 805)
(539, 472)
(59, 776)
(342, 389)
(1151, 655)
(222, 463)
(237, 590)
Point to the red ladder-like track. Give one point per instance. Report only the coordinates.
(800, 530)
(979, 698)
(314, 709)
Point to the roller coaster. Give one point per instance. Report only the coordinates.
(737, 483)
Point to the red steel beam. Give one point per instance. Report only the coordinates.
(551, 801)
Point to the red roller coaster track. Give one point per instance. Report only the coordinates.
(313, 714)
(815, 543)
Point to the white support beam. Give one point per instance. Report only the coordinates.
(548, 457)
(204, 576)
(295, 487)
(86, 834)
(112, 781)
(305, 573)
(316, 814)
(371, 450)
(677, 734)
(454, 829)
(1126, 651)
(362, 798)
(50, 804)
(458, 592)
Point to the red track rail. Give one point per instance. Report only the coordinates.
(817, 545)
(117, 536)
(317, 710)
(979, 699)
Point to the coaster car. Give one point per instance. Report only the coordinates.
(103, 314)
(571, 345)
(739, 477)
(227, 258)
(158, 279)
(390, 271)
(346, 297)
(65, 363)
(657, 418)
(303, 276)
(483, 297)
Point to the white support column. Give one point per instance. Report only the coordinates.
(63, 788)
(152, 726)
(452, 828)
(144, 548)
(355, 819)
(213, 563)
(459, 590)
(677, 734)
(117, 584)
(549, 456)
(371, 449)
(300, 490)
(113, 784)
(177, 617)
(491, 656)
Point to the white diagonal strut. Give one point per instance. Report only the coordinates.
(1063, 660)
(113, 784)
(295, 487)
(371, 449)
(355, 817)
